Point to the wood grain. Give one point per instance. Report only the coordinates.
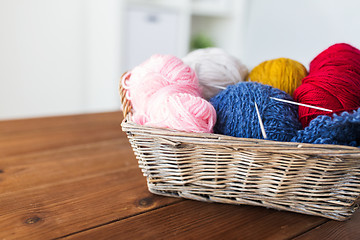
(197, 220)
(22, 171)
(76, 177)
(34, 125)
(333, 230)
(53, 210)
(70, 173)
(30, 135)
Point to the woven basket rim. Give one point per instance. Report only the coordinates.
(129, 125)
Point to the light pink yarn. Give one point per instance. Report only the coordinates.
(143, 116)
(182, 111)
(157, 72)
(165, 92)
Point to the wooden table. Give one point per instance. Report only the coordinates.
(76, 177)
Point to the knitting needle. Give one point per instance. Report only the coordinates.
(215, 86)
(301, 104)
(260, 122)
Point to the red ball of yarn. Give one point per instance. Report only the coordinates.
(333, 83)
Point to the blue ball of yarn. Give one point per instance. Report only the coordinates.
(343, 129)
(237, 116)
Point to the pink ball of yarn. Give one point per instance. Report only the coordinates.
(164, 92)
(142, 116)
(181, 111)
(157, 72)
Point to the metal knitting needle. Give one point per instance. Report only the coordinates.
(219, 87)
(260, 122)
(301, 104)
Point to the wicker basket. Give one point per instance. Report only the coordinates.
(314, 179)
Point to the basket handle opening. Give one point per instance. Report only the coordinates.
(126, 104)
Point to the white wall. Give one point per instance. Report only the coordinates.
(299, 29)
(59, 56)
(105, 23)
(66, 56)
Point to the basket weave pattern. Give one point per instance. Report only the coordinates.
(322, 180)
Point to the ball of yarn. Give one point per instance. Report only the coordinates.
(146, 116)
(237, 116)
(181, 111)
(333, 83)
(342, 129)
(157, 72)
(282, 73)
(164, 92)
(215, 69)
(340, 54)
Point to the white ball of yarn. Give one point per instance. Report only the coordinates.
(215, 69)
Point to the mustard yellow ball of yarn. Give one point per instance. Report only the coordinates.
(282, 73)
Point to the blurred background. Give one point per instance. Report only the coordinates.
(62, 57)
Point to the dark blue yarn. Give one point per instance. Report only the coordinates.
(343, 129)
(236, 113)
